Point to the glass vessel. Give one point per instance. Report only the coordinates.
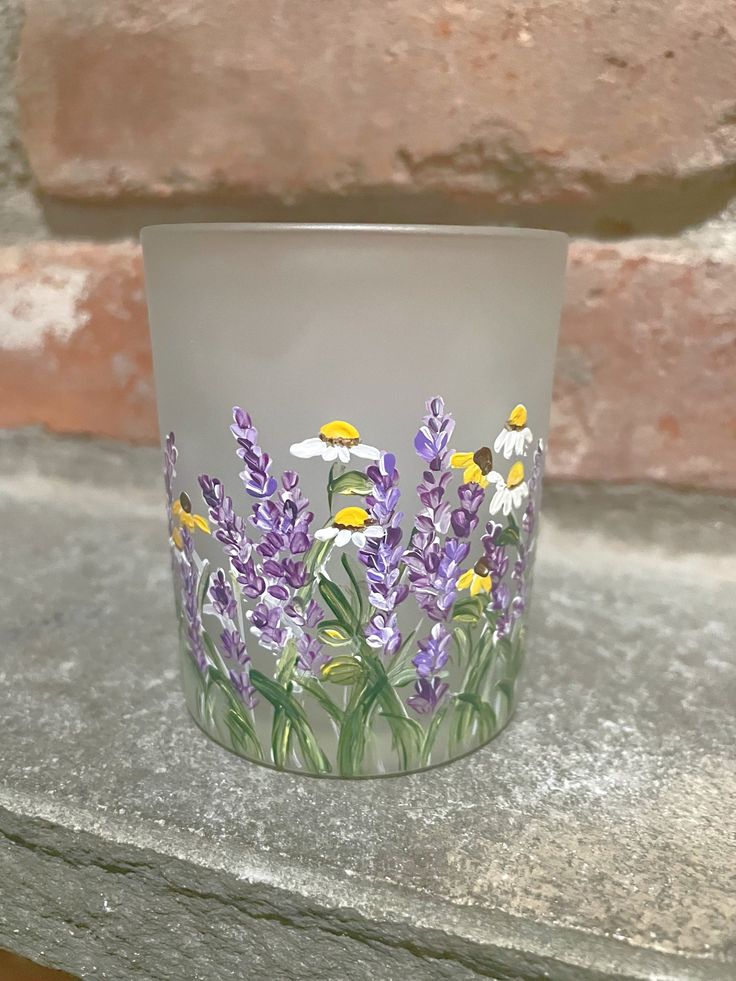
(354, 421)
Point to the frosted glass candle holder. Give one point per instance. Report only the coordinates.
(354, 422)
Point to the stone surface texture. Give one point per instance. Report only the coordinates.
(519, 101)
(645, 372)
(593, 840)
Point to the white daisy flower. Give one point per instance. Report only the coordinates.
(509, 492)
(350, 524)
(515, 435)
(337, 440)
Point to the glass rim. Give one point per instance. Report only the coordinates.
(384, 229)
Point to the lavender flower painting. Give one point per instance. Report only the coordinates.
(372, 632)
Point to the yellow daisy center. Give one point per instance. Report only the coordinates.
(339, 433)
(516, 475)
(517, 417)
(352, 518)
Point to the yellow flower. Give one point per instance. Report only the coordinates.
(476, 465)
(477, 579)
(181, 510)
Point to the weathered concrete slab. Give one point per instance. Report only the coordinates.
(594, 839)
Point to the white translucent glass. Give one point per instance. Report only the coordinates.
(303, 326)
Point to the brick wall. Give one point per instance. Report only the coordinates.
(613, 121)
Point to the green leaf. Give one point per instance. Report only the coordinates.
(338, 603)
(486, 715)
(350, 483)
(281, 731)
(492, 616)
(236, 715)
(401, 664)
(329, 487)
(468, 610)
(425, 756)
(313, 559)
(215, 656)
(412, 735)
(283, 700)
(505, 690)
(242, 733)
(463, 643)
(506, 687)
(286, 663)
(345, 561)
(315, 689)
(393, 708)
(510, 535)
(353, 732)
(479, 664)
(376, 692)
(403, 677)
(204, 581)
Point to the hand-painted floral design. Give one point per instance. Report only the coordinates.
(477, 467)
(181, 513)
(341, 638)
(337, 440)
(510, 490)
(516, 436)
(351, 524)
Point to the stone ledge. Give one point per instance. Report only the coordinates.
(592, 840)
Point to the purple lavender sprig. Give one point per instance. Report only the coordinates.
(428, 695)
(433, 565)
(310, 650)
(189, 577)
(284, 523)
(423, 556)
(535, 489)
(229, 528)
(222, 599)
(514, 604)
(433, 652)
(383, 557)
(231, 531)
(496, 555)
(170, 455)
(266, 625)
(223, 605)
(434, 574)
(269, 566)
(464, 519)
(256, 478)
(432, 442)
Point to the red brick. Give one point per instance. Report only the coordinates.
(645, 376)
(646, 370)
(74, 346)
(513, 100)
